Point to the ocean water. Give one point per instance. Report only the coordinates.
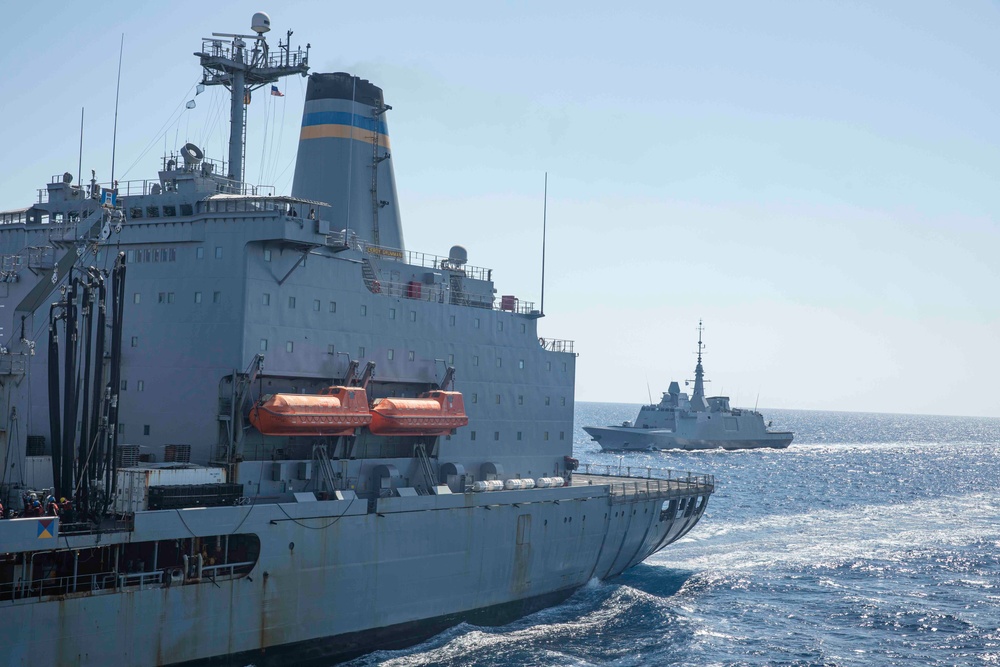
(873, 540)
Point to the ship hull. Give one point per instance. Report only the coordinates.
(622, 438)
(339, 578)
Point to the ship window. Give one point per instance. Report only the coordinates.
(291, 302)
(124, 385)
(316, 305)
(451, 359)
(548, 400)
(562, 435)
(413, 316)
(135, 298)
(499, 362)
(199, 253)
(564, 366)
(152, 211)
(265, 299)
(173, 254)
(520, 363)
(170, 297)
(161, 297)
(472, 435)
(364, 310)
(267, 255)
(329, 348)
(289, 346)
(520, 399)
(500, 326)
(392, 354)
(145, 429)
(477, 322)
(197, 297)
(411, 355)
(135, 212)
(218, 252)
(392, 313)
(522, 328)
(475, 398)
(475, 360)
(140, 385)
(169, 212)
(545, 436)
(216, 297)
(562, 400)
(496, 435)
(263, 345)
(333, 306)
(135, 341)
(187, 209)
(518, 435)
(548, 365)
(498, 399)
(121, 429)
(451, 320)
(146, 255)
(361, 352)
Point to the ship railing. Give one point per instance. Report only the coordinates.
(41, 586)
(648, 481)
(556, 345)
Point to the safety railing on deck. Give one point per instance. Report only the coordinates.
(651, 481)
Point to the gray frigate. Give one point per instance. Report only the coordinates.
(242, 427)
(698, 422)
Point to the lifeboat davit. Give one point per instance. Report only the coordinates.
(433, 413)
(334, 411)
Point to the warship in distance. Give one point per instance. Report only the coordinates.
(282, 436)
(679, 422)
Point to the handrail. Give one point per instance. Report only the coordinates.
(647, 472)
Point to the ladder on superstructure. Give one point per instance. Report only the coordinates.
(420, 452)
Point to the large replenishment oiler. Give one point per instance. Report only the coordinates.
(245, 428)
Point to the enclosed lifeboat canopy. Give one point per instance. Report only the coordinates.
(433, 413)
(334, 411)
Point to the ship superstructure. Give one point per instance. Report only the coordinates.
(695, 422)
(276, 429)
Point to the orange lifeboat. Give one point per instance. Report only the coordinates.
(433, 413)
(334, 411)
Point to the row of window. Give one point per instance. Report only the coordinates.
(496, 435)
(410, 355)
(474, 398)
(168, 297)
(168, 211)
(145, 429)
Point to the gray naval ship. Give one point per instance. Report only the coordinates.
(679, 422)
(240, 427)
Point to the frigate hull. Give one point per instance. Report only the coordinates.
(622, 438)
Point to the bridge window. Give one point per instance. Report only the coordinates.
(263, 345)
(289, 346)
(197, 297)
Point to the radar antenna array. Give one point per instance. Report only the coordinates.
(242, 71)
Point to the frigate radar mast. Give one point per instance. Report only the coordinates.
(242, 69)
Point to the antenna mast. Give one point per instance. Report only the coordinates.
(241, 72)
(545, 210)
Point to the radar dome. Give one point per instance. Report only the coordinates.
(260, 23)
(458, 255)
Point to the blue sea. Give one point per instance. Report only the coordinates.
(873, 540)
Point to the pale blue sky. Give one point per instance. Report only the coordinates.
(817, 180)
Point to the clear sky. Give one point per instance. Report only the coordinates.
(818, 181)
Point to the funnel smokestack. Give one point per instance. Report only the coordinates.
(344, 158)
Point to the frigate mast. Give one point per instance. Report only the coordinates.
(242, 71)
(698, 402)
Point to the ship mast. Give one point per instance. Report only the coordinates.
(698, 402)
(241, 71)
